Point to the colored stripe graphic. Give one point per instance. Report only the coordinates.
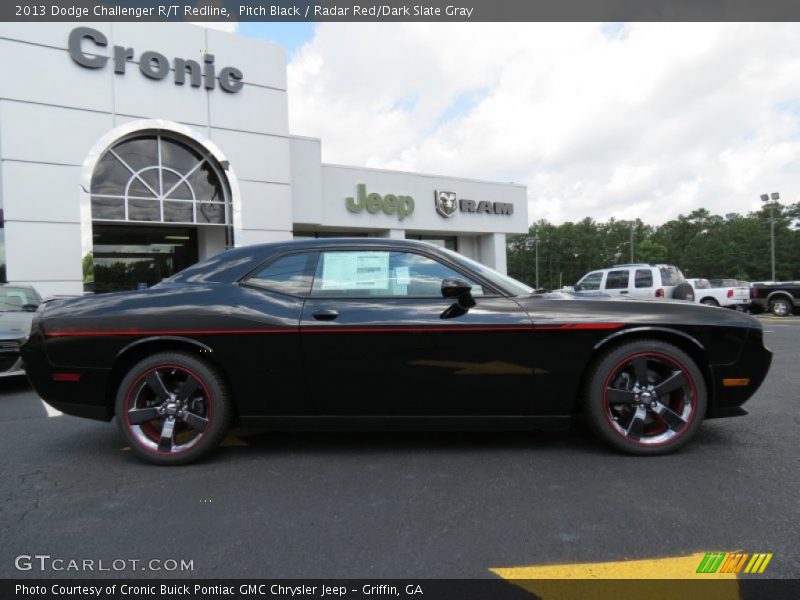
(733, 562)
(758, 563)
(711, 562)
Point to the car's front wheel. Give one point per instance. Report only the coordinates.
(172, 408)
(645, 397)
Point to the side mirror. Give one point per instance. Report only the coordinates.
(453, 287)
(30, 307)
(578, 287)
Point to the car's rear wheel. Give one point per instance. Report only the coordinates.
(172, 408)
(709, 302)
(780, 307)
(645, 397)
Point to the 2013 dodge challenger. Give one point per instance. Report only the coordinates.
(359, 333)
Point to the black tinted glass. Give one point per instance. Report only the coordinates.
(591, 281)
(644, 278)
(617, 280)
(290, 274)
(110, 176)
(138, 153)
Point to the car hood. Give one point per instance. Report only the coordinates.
(15, 325)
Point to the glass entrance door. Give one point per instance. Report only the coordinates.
(129, 257)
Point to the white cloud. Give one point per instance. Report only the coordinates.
(226, 26)
(645, 120)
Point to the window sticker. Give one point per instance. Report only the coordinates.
(355, 270)
(402, 276)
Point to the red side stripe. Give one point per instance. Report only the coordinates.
(579, 326)
(338, 329)
(167, 332)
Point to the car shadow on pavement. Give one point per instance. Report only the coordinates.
(577, 438)
(15, 384)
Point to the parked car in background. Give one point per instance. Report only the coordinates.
(18, 303)
(734, 295)
(780, 298)
(638, 281)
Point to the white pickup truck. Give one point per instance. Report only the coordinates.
(729, 293)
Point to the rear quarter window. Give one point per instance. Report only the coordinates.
(671, 276)
(291, 274)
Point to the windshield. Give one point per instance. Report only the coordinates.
(12, 299)
(504, 282)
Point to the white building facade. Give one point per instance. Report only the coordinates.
(129, 151)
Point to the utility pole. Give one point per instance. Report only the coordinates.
(534, 241)
(766, 198)
(633, 223)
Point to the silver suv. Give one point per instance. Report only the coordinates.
(638, 281)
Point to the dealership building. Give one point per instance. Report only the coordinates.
(129, 151)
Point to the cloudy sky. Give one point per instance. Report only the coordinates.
(602, 120)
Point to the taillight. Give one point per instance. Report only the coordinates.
(753, 292)
(730, 294)
(660, 293)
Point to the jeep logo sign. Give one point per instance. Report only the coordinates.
(446, 204)
(402, 206)
(153, 64)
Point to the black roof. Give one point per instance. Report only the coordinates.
(231, 265)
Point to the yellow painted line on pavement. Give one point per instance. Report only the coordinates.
(583, 581)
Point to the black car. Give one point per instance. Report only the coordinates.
(780, 298)
(358, 333)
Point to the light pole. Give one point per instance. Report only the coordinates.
(534, 241)
(633, 224)
(766, 198)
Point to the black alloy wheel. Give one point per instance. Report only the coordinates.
(172, 408)
(646, 397)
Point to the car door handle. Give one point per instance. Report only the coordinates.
(325, 315)
(624, 292)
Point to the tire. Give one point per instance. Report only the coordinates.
(179, 388)
(683, 291)
(781, 307)
(710, 302)
(644, 424)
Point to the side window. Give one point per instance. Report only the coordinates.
(644, 278)
(617, 280)
(592, 281)
(360, 273)
(290, 274)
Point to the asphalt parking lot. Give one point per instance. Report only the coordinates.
(331, 505)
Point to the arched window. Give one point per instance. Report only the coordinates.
(153, 177)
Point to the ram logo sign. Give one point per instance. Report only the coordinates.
(447, 203)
